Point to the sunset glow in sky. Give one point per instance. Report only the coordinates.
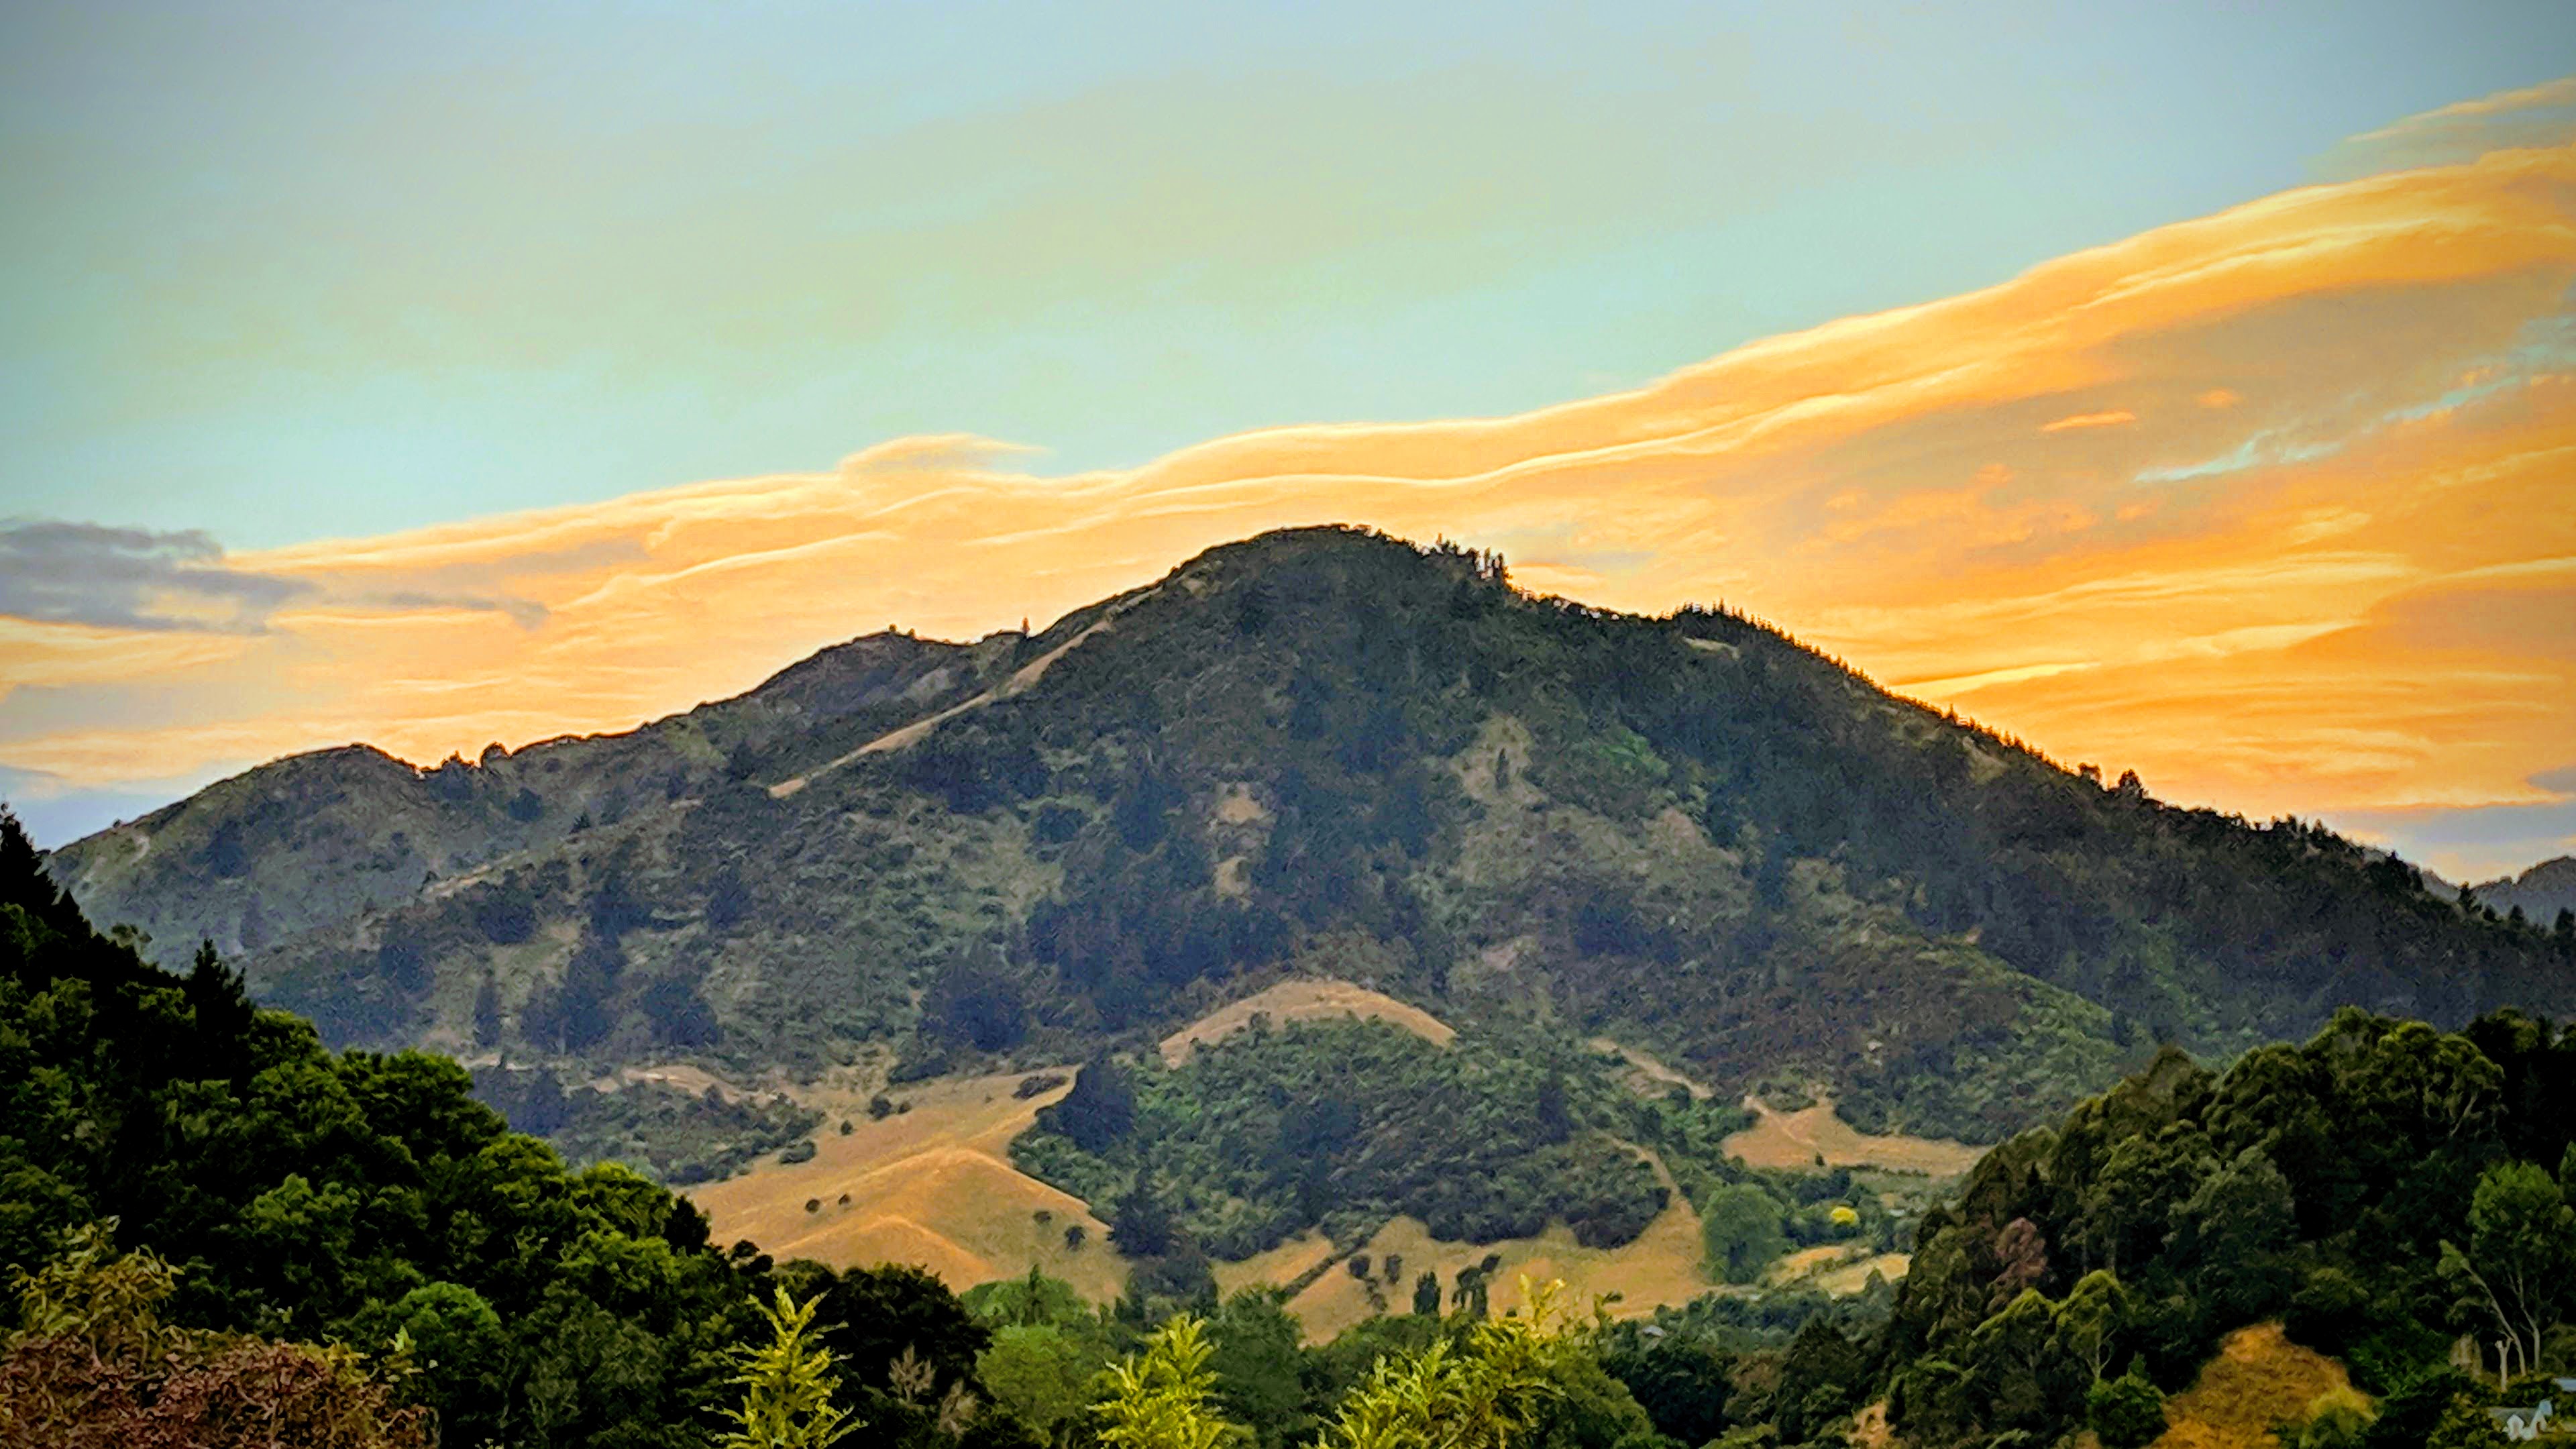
(2192, 394)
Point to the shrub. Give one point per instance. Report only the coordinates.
(2128, 1412)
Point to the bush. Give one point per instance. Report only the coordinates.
(798, 1151)
(2128, 1412)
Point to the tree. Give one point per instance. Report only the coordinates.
(1159, 1399)
(1426, 1295)
(1140, 1225)
(2127, 1412)
(2522, 1251)
(875, 1316)
(1255, 1361)
(787, 1385)
(1099, 1110)
(487, 1012)
(1038, 1373)
(1740, 1225)
(2229, 1235)
(2465, 1425)
(2335, 1419)
(1485, 1394)
(2089, 1322)
(1682, 1383)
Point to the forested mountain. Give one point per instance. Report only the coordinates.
(1318, 750)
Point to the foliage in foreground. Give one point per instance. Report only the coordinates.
(2383, 1189)
(93, 1366)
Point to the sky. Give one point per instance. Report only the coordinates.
(2176, 388)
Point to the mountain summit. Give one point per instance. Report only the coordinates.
(1315, 752)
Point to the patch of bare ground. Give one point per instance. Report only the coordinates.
(932, 1185)
(1308, 1000)
(1797, 1139)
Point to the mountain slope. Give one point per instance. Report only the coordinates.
(2540, 893)
(1320, 752)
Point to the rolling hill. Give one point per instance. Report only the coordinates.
(1315, 753)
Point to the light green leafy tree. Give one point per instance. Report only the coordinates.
(1038, 1372)
(2090, 1321)
(1487, 1394)
(1163, 1397)
(2522, 1252)
(787, 1386)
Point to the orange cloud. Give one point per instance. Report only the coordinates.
(2115, 418)
(2222, 502)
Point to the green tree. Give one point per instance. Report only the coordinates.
(2522, 1252)
(1160, 1398)
(1255, 1361)
(1528, 1381)
(2090, 1321)
(1740, 1225)
(2127, 1412)
(1426, 1294)
(2465, 1425)
(2335, 1419)
(1039, 1373)
(787, 1385)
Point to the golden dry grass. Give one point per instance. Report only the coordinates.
(2259, 1378)
(1850, 1278)
(1795, 1139)
(932, 1186)
(1304, 1001)
(1661, 1266)
(1841, 1269)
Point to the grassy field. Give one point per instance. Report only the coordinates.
(1661, 1266)
(932, 1185)
(1303, 1001)
(1797, 1139)
(2258, 1379)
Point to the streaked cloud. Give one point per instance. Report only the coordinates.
(2115, 418)
(132, 578)
(2269, 505)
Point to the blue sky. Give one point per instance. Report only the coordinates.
(274, 275)
(288, 272)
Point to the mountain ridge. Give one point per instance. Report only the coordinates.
(1315, 752)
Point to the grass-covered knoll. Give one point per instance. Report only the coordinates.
(1317, 752)
(2382, 1189)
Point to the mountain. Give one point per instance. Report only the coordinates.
(1315, 752)
(2540, 893)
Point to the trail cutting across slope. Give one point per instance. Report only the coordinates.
(1022, 680)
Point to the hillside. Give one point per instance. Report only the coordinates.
(2540, 893)
(2376, 1192)
(1314, 753)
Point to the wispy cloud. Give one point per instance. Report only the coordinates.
(2255, 503)
(132, 578)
